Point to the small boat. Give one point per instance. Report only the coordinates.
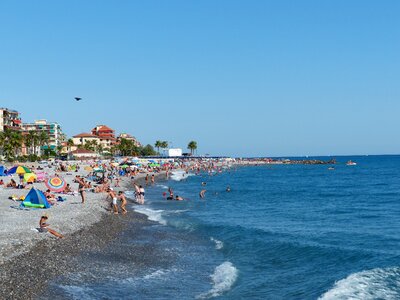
(351, 163)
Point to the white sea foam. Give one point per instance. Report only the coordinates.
(77, 292)
(152, 214)
(218, 244)
(372, 284)
(163, 186)
(155, 274)
(223, 278)
(179, 175)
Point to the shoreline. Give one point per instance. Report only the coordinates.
(27, 267)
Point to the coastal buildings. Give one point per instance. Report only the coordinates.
(52, 129)
(9, 119)
(83, 138)
(128, 137)
(106, 136)
(101, 139)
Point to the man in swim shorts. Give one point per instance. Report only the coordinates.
(114, 198)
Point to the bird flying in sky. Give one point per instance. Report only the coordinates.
(77, 98)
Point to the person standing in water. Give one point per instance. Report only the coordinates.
(141, 191)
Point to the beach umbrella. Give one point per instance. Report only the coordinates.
(19, 170)
(124, 166)
(89, 169)
(30, 177)
(55, 184)
(98, 170)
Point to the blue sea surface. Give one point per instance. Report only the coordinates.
(282, 232)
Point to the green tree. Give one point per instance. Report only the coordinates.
(11, 141)
(148, 150)
(70, 143)
(192, 146)
(90, 145)
(158, 145)
(43, 139)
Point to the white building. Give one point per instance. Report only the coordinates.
(174, 152)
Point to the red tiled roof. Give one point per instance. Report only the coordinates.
(85, 135)
(103, 128)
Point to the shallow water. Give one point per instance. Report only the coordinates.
(283, 232)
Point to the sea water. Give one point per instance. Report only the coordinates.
(282, 232)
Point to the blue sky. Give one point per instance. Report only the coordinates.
(242, 78)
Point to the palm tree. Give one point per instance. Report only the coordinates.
(192, 146)
(2, 142)
(43, 139)
(12, 143)
(164, 145)
(90, 145)
(70, 143)
(30, 140)
(99, 148)
(158, 145)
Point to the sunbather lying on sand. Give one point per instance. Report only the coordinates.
(12, 184)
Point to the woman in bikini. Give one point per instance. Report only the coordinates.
(44, 227)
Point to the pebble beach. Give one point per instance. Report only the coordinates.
(28, 258)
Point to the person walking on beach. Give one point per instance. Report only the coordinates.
(121, 196)
(81, 187)
(152, 178)
(113, 196)
(44, 227)
(147, 179)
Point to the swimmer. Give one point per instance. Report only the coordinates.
(228, 188)
(204, 183)
(202, 193)
(178, 198)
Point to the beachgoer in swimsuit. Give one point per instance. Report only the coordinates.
(141, 190)
(122, 197)
(81, 187)
(44, 227)
(202, 192)
(114, 198)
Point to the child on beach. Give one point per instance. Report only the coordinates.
(44, 227)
